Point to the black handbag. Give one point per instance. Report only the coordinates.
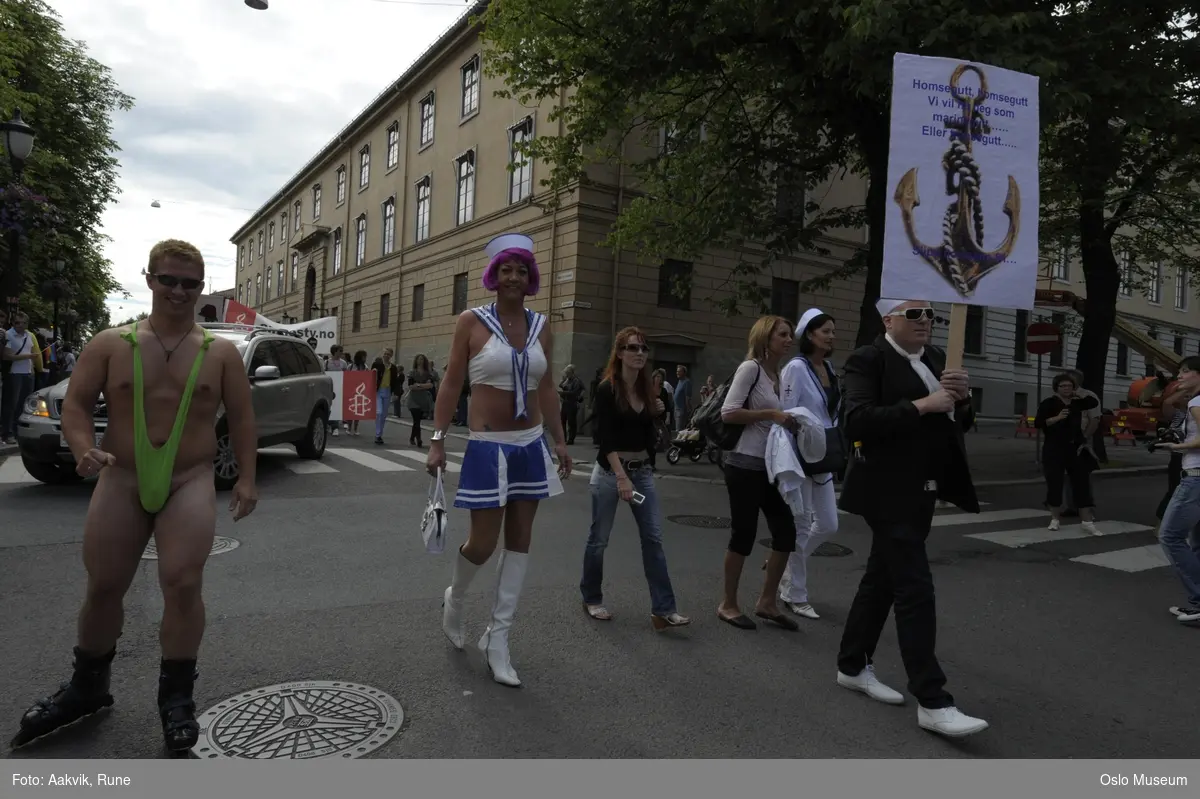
(834, 462)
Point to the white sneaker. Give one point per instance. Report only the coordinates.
(1090, 528)
(802, 609)
(949, 721)
(1053, 525)
(865, 682)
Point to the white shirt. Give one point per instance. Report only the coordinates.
(1191, 457)
(783, 466)
(764, 397)
(927, 377)
(20, 344)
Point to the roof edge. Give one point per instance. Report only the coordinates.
(460, 26)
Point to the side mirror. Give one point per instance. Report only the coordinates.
(266, 373)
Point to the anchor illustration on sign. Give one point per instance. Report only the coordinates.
(961, 258)
(360, 403)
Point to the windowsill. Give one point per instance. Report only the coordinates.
(422, 148)
(364, 187)
(339, 205)
(392, 168)
(468, 117)
(1154, 304)
(1180, 310)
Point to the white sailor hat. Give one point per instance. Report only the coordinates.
(886, 306)
(508, 241)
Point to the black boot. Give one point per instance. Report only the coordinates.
(175, 706)
(86, 693)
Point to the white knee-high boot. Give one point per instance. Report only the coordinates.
(510, 578)
(452, 626)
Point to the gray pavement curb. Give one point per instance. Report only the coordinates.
(1131, 471)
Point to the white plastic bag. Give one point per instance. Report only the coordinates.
(433, 521)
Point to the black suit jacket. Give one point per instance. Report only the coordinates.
(889, 448)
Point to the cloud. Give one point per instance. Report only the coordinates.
(229, 104)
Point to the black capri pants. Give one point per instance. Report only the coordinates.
(751, 491)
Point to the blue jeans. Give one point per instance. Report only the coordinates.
(17, 389)
(383, 401)
(605, 500)
(1180, 538)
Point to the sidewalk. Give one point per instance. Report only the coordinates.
(997, 458)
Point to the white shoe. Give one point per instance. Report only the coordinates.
(865, 682)
(1090, 528)
(1053, 525)
(494, 643)
(949, 721)
(452, 626)
(336, 433)
(802, 609)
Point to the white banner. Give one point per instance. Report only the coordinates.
(354, 396)
(962, 212)
(320, 334)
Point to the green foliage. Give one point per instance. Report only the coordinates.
(69, 98)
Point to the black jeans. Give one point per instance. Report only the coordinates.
(898, 574)
(569, 416)
(1058, 462)
(417, 415)
(751, 491)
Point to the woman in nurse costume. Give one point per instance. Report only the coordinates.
(504, 349)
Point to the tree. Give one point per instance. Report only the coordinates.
(760, 97)
(69, 98)
(1122, 154)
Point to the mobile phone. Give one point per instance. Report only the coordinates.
(637, 499)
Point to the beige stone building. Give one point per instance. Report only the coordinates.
(385, 229)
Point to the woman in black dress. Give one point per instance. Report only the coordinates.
(1065, 451)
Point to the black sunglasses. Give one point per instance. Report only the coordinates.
(913, 314)
(636, 348)
(170, 281)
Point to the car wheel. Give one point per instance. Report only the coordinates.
(51, 473)
(225, 465)
(312, 446)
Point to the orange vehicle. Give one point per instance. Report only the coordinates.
(1145, 395)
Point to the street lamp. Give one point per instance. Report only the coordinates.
(70, 318)
(287, 319)
(316, 309)
(18, 140)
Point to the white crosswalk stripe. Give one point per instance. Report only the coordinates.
(372, 462)
(1137, 559)
(986, 517)
(12, 472)
(1068, 532)
(451, 466)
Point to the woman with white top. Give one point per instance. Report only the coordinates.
(506, 469)
(753, 400)
(809, 382)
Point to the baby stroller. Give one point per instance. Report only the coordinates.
(691, 442)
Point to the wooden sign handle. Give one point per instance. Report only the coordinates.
(958, 336)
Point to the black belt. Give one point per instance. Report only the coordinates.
(630, 466)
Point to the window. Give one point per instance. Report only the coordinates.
(1020, 404)
(271, 236)
(675, 285)
(389, 225)
(1020, 353)
(470, 87)
(364, 166)
(1056, 357)
(423, 199)
(260, 244)
(1062, 265)
(1154, 290)
(341, 185)
(316, 202)
(1178, 345)
(973, 342)
(785, 299)
(1181, 288)
(427, 120)
(258, 288)
(283, 229)
(520, 177)
(790, 196)
(360, 241)
(241, 256)
(295, 269)
(418, 308)
(393, 145)
(1125, 289)
(460, 293)
(464, 210)
(1122, 359)
(337, 251)
(268, 294)
(279, 279)
(356, 319)
(385, 310)
(296, 216)
(247, 290)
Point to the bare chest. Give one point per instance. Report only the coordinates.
(164, 381)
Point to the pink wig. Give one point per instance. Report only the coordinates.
(490, 281)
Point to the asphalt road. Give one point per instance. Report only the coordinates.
(1065, 658)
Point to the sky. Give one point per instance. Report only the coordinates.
(229, 103)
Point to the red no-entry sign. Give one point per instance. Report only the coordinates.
(1042, 338)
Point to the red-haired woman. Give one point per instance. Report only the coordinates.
(625, 410)
(504, 348)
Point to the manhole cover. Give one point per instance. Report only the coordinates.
(221, 545)
(831, 550)
(300, 721)
(709, 522)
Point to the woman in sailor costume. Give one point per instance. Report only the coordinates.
(504, 349)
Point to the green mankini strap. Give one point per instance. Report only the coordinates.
(156, 466)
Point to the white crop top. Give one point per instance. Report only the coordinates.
(502, 366)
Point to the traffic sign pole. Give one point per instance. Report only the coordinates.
(1037, 455)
